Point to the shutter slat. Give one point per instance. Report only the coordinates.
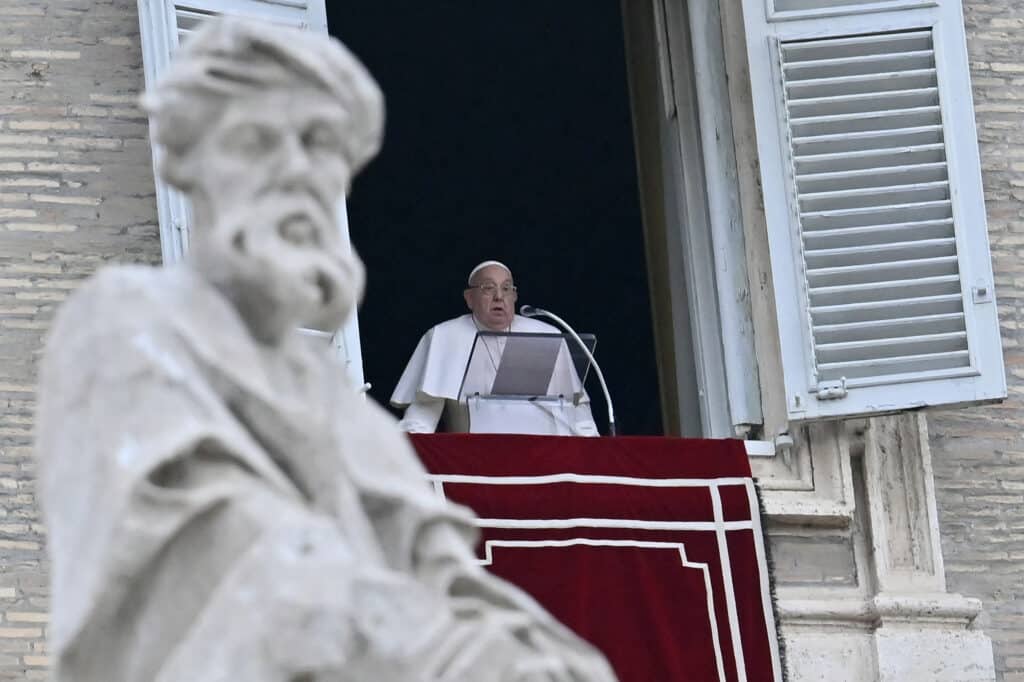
(870, 83)
(870, 292)
(905, 364)
(853, 57)
(868, 172)
(860, 197)
(869, 44)
(854, 70)
(887, 310)
(192, 14)
(882, 154)
(837, 260)
(859, 98)
(864, 142)
(828, 127)
(849, 119)
(283, 12)
(879, 234)
(797, 6)
(858, 66)
(883, 272)
(189, 20)
(856, 140)
(849, 82)
(895, 100)
(901, 267)
(876, 215)
(866, 159)
(879, 329)
(854, 351)
(957, 339)
(877, 177)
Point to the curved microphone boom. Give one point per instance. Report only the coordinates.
(532, 311)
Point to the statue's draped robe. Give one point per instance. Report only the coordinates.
(221, 510)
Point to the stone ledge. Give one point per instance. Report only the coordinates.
(950, 611)
(791, 507)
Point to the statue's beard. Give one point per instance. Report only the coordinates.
(275, 301)
(271, 261)
(340, 293)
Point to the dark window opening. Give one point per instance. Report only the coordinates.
(508, 137)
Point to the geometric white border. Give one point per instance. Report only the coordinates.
(488, 559)
(718, 526)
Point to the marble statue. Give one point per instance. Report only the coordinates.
(221, 505)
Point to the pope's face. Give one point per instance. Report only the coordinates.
(492, 298)
(266, 183)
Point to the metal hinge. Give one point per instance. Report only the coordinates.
(832, 390)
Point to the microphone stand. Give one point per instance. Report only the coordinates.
(531, 311)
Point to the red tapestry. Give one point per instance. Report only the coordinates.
(650, 548)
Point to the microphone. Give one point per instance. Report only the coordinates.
(532, 311)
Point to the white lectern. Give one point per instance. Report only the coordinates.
(520, 382)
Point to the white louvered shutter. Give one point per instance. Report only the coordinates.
(164, 25)
(873, 198)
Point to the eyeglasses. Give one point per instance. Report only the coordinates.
(490, 289)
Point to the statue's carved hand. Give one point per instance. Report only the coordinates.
(514, 646)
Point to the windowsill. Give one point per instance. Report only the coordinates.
(760, 448)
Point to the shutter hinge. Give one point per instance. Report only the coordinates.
(832, 390)
(784, 441)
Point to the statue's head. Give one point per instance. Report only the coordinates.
(263, 127)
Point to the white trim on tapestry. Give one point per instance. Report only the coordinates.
(639, 544)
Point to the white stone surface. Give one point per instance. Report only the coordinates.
(897, 621)
(829, 656)
(910, 653)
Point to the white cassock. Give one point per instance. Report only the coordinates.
(432, 383)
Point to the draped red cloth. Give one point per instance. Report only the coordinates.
(650, 548)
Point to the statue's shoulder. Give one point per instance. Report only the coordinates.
(370, 428)
(120, 298)
(122, 278)
(117, 285)
(95, 329)
(109, 295)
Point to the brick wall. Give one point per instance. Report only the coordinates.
(76, 190)
(979, 452)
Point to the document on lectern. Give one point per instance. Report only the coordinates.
(522, 364)
(527, 364)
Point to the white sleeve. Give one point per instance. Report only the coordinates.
(422, 415)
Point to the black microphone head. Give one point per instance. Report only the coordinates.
(527, 310)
